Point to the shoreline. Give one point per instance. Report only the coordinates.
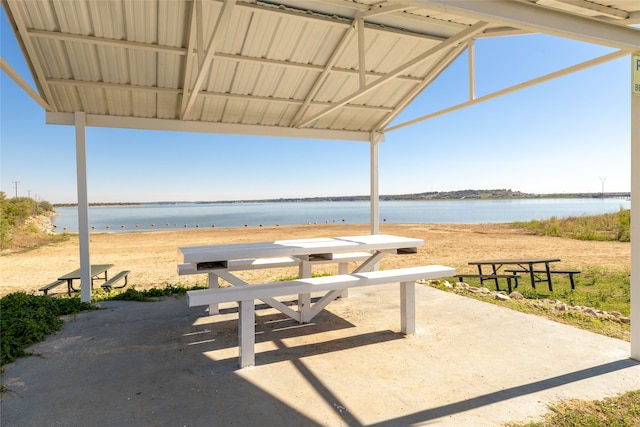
(152, 256)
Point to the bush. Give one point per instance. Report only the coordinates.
(27, 319)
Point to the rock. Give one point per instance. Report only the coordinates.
(590, 312)
(502, 297)
(516, 295)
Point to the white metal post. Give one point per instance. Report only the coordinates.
(375, 195)
(247, 332)
(213, 284)
(304, 300)
(408, 308)
(635, 210)
(83, 207)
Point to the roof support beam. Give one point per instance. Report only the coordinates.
(224, 18)
(535, 18)
(325, 72)
(171, 91)
(4, 66)
(194, 43)
(36, 68)
(360, 24)
(458, 38)
(121, 122)
(542, 79)
(446, 60)
(193, 50)
(589, 5)
(362, 68)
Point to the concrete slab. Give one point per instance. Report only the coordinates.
(164, 364)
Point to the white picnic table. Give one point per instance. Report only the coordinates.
(224, 260)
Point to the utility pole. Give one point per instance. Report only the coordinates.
(16, 184)
(602, 192)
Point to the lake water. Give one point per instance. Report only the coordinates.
(235, 215)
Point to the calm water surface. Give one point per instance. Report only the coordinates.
(234, 215)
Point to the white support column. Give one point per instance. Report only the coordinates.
(304, 300)
(343, 268)
(374, 140)
(214, 283)
(83, 207)
(635, 211)
(408, 308)
(247, 332)
(472, 70)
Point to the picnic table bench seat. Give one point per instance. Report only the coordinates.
(246, 295)
(46, 288)
(569, 272)
(341, 258)
(110, 284)
(495, 277)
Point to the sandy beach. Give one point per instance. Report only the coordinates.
(152, 257)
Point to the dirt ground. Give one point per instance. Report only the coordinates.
(152, 256)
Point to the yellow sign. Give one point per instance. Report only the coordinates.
(635, 72)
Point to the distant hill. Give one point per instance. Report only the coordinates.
(431, 195)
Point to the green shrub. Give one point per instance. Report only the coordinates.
(27, 319)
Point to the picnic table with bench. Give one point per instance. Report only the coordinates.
(98, 271)
(222, 261)
(538, 269)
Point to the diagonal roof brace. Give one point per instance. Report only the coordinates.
(458, 38)
(220, 29)
(4, 66)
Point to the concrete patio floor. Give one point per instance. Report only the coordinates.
(164, 364)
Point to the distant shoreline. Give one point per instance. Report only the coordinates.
(448, 195)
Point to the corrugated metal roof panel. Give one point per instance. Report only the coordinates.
(271, 65)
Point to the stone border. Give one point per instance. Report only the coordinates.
(557, 305)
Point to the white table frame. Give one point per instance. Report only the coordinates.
(218, 260)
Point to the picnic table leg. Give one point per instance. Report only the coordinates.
(533, 276)
(304, 300)
(213, 284)
(408, 307)
(548, 276)
(343, 268)
(247, 334)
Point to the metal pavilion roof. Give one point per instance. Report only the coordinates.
(328, 69)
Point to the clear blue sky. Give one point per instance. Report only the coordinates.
(568, 135)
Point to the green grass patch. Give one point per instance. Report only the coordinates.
(606, 227)
(620, 411)
(151, 294)
(595, 287)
